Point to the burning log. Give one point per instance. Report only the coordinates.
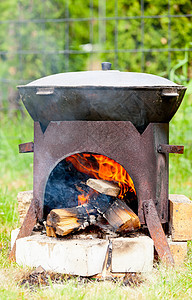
(104, 187)
(119, 216)
(97, 200)
(65, 220)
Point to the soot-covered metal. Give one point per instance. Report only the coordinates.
(118, 140)
(107, 95)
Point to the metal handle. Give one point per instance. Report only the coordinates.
(26, 147)
(45, 91)
(164, 94)
(170, 93)
(163, 148)
(106, 65)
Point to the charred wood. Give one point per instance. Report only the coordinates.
(66, 220)
(121, 217)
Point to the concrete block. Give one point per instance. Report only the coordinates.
(132, 254)
(180, 218)
(14, 234)
(24, 201)
(178, 250)
(82, 257)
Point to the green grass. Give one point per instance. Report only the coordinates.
(16, 175)
(162, 283)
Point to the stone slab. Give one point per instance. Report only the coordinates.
(132, 254)
(14, 234)
(76, 257)
(24, 200)
(180, 224)
(178, 250)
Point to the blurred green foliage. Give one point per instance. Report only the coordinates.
(34, 35)
(180, 167)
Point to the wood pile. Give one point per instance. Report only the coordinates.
(97, 211)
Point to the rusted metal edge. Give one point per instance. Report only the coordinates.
(163, 148)
(26, 147)
(26, 228)
(157, 233)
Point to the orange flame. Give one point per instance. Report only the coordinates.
(83, 199)
(102, 167)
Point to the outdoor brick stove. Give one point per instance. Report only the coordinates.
(103, 127)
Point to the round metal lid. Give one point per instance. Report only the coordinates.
(104, 78)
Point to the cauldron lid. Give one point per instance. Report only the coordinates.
(104, 78)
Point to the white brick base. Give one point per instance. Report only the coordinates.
(132, 254)
(85, 257)
(75, 257)
(14, 234)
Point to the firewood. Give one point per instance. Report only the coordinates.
(63, 221)
(66, 220)
(121, 217)
(50, 231)
(104, 187)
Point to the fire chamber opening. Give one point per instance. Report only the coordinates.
(68, 184)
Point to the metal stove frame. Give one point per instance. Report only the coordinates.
(144, 156)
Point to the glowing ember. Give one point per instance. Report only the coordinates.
(83, 199)
(102, 167)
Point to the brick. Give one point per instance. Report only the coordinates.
(82, 257)
(180, 224)
(178, 250)
(24, 201)
(132, 254)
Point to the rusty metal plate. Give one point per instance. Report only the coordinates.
(163, 148)
(26, 147)
(118, 140)
(156, 232)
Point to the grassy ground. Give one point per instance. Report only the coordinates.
(161, 283)
(16, 175)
